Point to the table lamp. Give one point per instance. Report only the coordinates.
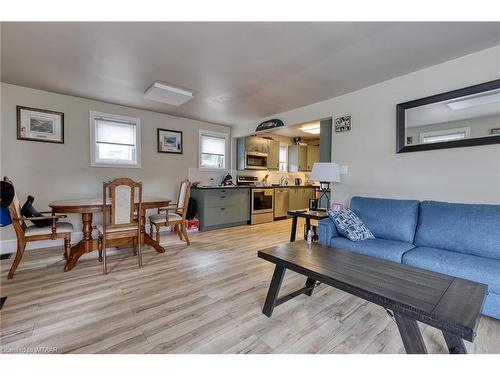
(325, 173)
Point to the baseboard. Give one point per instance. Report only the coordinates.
(10, 246)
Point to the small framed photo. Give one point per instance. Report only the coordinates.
(495, 131)
(40, 125)
(169, 141)
(343, 124)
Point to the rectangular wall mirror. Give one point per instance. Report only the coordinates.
(459, 118)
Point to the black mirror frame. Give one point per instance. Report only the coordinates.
(402, 107)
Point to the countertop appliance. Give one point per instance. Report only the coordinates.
(262, 205)
(281, 196)
(256, 160)
(246, 180)
(298, 181)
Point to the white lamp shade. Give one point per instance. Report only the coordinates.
(325, 172)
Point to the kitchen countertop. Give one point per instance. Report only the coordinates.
(255, 187)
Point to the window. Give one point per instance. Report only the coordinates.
(115, 141)
(445, 135)
(213, 148)
(283, 158)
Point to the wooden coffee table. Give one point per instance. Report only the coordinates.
(448, 303)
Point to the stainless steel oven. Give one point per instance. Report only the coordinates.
(255, 160)
(262, 206)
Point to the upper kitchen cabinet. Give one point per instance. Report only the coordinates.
(256, 144)
(297, 158)
(273, 159)
(312, 155)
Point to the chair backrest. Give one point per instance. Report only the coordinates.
(183, 198)
(15, 213)
(123, 194)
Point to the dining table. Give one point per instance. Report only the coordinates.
(87, 207)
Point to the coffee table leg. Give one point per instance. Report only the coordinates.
(410, 334)
(274, 289)
(294, 229)
(309, 284)
(455, 344)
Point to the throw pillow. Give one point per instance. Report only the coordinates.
(350, 225)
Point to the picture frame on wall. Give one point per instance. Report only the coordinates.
(39, 125)
(343, 124)
(169, 141)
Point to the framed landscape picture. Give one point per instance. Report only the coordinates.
(40, 125)
(169, 141)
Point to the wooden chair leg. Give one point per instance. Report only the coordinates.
(157, 228)
(99, 248)
(178, 230)
(104, 265)
(134, 245)
(139, 249)
(185, 233)
(67, 246)
(21, 245)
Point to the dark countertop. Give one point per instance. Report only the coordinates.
(254, 187)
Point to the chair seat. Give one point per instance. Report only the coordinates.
(61, 227)
(163, 218)
(127, 228)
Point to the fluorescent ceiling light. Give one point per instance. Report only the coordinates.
(311, 129)
(164, 93)
(493, 97)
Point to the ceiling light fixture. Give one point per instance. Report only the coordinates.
(311, 129)
(165, 93)
(493, 97)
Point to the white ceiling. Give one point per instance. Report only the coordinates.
(296, 131)
(239, 72)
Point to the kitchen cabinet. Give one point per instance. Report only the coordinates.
(312, 156)
(256, 144)
(297, 158)
(299, 197)
(273, 157)
(222, 207)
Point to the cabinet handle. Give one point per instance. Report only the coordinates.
(223, 196)
(223, 208)
(222, 191)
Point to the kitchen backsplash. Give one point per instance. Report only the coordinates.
(216, 177)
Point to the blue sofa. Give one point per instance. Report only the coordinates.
(461, 240)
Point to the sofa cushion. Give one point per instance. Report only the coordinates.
(350, 225)
(466, 228)
(465, 266)
(390, 219)
(378, 248)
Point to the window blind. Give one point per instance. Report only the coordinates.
(115, 132)
(213, 145)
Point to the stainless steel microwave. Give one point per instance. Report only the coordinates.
(255, 160)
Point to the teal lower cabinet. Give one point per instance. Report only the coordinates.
(222, 207)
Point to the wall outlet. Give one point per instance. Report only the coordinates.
(344, 169)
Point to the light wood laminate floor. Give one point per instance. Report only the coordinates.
(205, 298)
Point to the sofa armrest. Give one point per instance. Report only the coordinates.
(327, 231)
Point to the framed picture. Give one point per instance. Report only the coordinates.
(169, 141)
(495, 131)
(343, 124)
(40, 125)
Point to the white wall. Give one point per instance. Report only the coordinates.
(62, 171)
(470, 174)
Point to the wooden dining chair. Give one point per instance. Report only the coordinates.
(25, 233)
(173, 215)
(119, 221)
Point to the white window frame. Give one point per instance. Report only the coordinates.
(94, 160)
(226, 148)
(438, 133)
(286, 158)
